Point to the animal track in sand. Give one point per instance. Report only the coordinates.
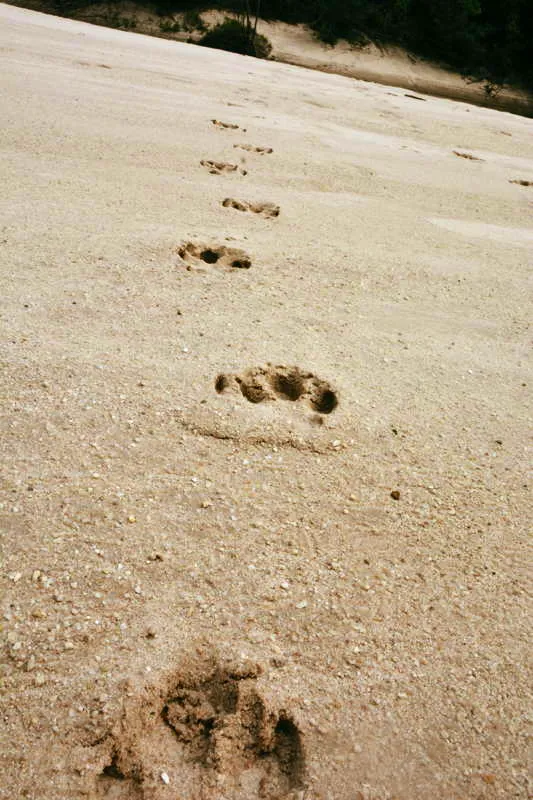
(208, 734)
(469, 156)
(227, 125)
(90, 64)
(250, 148)
(264, 209)
(195, 255)
(221, 167)
(271, 383)
(521, 182)
(226, 726)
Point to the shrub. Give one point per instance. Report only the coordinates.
(113, 20)
(192, 21)
(169, 26)
(237, 37)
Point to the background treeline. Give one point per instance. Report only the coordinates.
(488, 39)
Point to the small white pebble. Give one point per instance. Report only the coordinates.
(165, 778)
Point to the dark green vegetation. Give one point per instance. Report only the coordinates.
(237, 37)
(486, 39)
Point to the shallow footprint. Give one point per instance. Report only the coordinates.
(250, 148)
(271, 383)
(221, 167)
(264, 209)
(226, 125)
(197, 255)
(469, 156)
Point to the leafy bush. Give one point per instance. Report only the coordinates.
(192, 21)
(237, 37)
(169, 26)
(114, 20)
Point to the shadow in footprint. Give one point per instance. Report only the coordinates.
(197, 255)
(521, 182)
(264, 209)
(221, 167)
(114, 784)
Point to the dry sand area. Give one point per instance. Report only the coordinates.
(266, 398)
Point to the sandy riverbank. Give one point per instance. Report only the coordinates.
(265, 406)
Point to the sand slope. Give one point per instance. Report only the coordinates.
(208, 589)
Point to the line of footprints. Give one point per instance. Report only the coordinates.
(229, 258)
(269, 383)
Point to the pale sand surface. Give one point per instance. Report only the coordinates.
(206, 597)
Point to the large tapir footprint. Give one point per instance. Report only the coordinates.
(212, 735)
(197, 255)
(270, 383)
(250, 148)
(264, 209)
(221, 167)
